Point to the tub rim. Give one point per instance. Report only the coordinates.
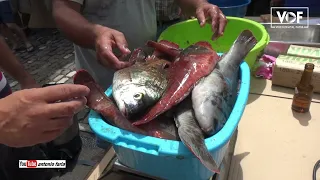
(262, 42)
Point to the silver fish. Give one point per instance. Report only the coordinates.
(214, 96)
(191, 134)
(139, 86)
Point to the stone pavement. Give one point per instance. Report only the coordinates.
(51, 61)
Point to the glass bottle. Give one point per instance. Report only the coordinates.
(303, 91)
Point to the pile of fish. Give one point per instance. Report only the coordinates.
(171, 93)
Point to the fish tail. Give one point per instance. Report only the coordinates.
(192, 136)
(195, 143)
(244, 43)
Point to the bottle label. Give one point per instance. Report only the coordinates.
(301, 102)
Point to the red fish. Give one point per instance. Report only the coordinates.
(164, 47)
(191, 64)
(99, 102)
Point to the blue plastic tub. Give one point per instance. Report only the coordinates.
(236, 8)
(169, 159)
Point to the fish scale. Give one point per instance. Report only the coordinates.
(145, 79)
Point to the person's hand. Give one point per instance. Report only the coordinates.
(209, 12)
(39, 115)
(29, 83)
(107, 40)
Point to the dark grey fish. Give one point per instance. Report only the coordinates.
(214, 96)
(191, 135)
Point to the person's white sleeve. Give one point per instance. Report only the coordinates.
(78, 1)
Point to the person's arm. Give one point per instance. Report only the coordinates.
(66, 14)
(88, 35)
(11, 65)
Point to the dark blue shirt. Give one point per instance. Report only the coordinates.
(314, 5)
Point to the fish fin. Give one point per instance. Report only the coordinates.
(244, 43)
(164, 48)
(199, 48)
(195, 143)
(169, 44)
(149, 58)
(138, 55)
(162, 55)
(192, 136)
(204, 44)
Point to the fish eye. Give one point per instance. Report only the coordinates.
(138, 96)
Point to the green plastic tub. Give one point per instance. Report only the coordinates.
(189, 32)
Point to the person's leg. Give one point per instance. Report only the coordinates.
(25, 19)
(5, 31)
(16, 29)
(17, 19)
(8, 18)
